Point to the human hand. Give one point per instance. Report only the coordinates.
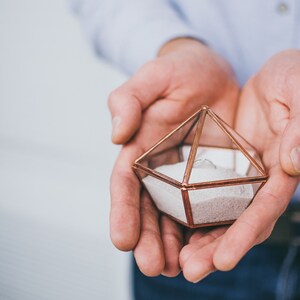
(159, 97)
(269, 118)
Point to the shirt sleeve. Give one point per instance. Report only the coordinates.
(129, 33)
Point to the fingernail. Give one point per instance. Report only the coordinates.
(295, 157)
(204, 276)
(115, 126)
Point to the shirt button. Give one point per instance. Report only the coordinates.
(282, 8)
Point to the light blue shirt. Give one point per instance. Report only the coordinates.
(247, 33)
(130, 32)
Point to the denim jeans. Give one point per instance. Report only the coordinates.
(267, 272)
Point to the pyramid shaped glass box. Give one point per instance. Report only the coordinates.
(203, 173)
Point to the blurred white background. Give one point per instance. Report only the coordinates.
(55, 159)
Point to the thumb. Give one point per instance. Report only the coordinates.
(126, 114)
(128, 101)
(290, 147)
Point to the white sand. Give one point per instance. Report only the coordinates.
(208, 205)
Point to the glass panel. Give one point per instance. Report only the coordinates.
(166, 197)
(218, 157)
(166, 156)
(167, 150)
(247, 146)
(221, 204)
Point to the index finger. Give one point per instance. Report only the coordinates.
(125, 200)
(127, 102)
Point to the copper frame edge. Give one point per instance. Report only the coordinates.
(220, 223)
(190, 129)
(192, 226)
(194, 147)
(261, 185)
(187, 207)
(226, 182)
(170, 134)
(184, 186)
(159, 152)
(219, 121)
(158, 175)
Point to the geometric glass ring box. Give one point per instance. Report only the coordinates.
(203, 173)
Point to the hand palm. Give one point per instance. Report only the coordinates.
(262, 121)
(136, 224)
(181, 87)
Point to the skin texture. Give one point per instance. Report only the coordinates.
(267, 116)
(160, 96)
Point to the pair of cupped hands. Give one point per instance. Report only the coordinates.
(161, 95)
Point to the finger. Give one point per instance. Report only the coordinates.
(149, 253)
(200, 263)
(196, 234)
(250, 228)
(290, 143)
(125, 201)
(200, 239)
(128, 101)
(290, 146)
(172, 238)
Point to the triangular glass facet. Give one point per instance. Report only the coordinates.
(168, 151)
(203, 173)
(219, 154)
